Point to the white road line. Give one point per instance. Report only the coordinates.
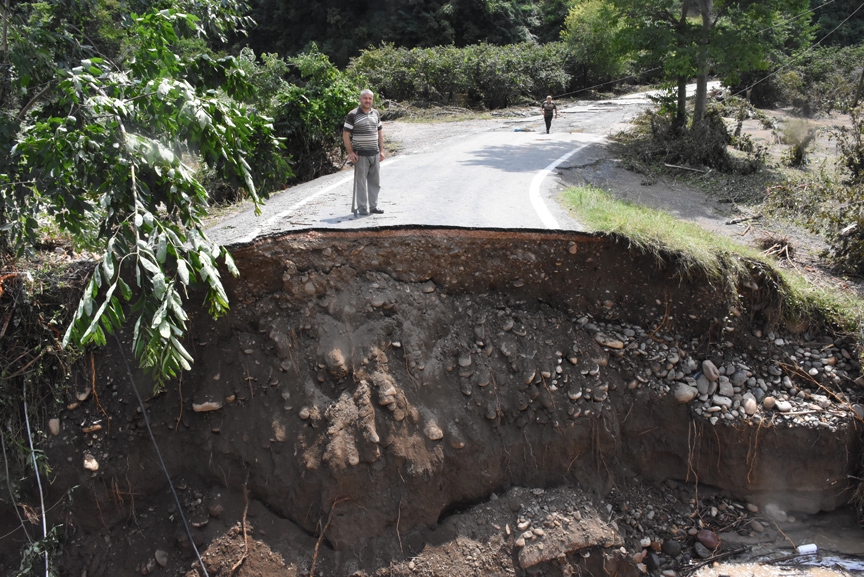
(534, 191)
(280, 215)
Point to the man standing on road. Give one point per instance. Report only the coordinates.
(548, 108)
(364, 141)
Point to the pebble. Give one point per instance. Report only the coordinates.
(703, 384)
(90, 462)
(161, 557)
(756, 526)
(432, 431)
(769, 402)
(671, 547)
(750, 405)
(54, 427)
(721, 401)
(783, 406)
(685, 393)
(652, 561)
(608, 341)
(206, 406)
(701, 551)
(710, 370)
(708, 538)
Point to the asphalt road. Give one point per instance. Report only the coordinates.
(499, 177)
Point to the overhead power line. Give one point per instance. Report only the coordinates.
(802, 53)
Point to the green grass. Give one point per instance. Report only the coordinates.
(659, 232)
(720, 259)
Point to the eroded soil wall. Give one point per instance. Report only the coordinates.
(403, 373)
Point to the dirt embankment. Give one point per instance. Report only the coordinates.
(369, 386)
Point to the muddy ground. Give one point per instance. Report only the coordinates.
(451, 402)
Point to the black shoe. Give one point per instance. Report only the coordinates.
(376, 210)
(363, 212)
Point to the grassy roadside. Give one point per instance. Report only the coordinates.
(718, 258)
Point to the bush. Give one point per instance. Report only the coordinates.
(494, 76)
(799, 135)
(822, 80)
(850, 141)
(306, 98)
(846, 234)
(657, 138)
(829, 206)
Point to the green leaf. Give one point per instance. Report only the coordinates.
(93, 329)
(151, 266)
(183, 271)
(124, 288)
(164, 329)
(161, 249)
(229, 262)
(108, 265)
(159, 286)
(203, 118)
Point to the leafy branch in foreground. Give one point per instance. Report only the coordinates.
(116, 149)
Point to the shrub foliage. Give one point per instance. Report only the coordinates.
(494, 76)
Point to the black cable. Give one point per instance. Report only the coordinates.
(159, 454)
(802, 53)
(609, 82)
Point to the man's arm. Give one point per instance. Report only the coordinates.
(380, 144)
(346, 138)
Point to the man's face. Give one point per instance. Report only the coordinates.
(366, 101)
(548, 99)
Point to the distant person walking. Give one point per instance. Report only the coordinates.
(548, 108)
(364, 141)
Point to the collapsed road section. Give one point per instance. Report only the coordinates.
(367, 385)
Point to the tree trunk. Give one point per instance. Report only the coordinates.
(705, 9)
(681, 107)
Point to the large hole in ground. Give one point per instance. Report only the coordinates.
(367, 384)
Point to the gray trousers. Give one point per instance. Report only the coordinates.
(367, 181)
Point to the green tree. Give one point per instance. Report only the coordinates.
(693, 38)
(841, 22)
(342, 28)
(589, 31)
(109, 152)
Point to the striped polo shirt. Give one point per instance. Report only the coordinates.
(364, 129)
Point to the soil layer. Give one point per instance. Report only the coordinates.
(452, 402)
